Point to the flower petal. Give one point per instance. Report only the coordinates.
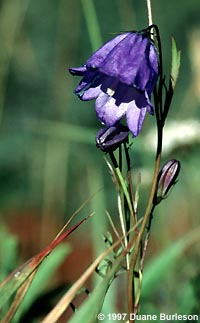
(153, 62)
(81, 87)
(91, 80)
(149, 105)
(127, 94)
(153, 58)
(80, 71)
(91, 93)
(100, 55)
(107, 111)
(126, 58)
(135, 118)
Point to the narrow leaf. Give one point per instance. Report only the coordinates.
(176, 59)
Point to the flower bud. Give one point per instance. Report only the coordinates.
(166, 179)
(109, 139)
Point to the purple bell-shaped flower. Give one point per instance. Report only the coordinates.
(121, 76)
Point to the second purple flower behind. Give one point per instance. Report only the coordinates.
(121, 76)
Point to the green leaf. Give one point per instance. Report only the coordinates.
(176, 59)
(159, 267)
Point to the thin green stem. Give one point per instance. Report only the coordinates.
(121, 218)
(130, 183)
(122, 183)
(125, 191)
(145, 218)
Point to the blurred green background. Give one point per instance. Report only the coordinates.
(49, 164)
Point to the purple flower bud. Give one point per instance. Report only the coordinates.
(121, 76)
(166, 179)
(110, 138)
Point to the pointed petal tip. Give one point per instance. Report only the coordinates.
(80, 71)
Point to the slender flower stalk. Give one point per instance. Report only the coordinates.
(121, 218)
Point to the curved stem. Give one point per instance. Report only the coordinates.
(122, 183)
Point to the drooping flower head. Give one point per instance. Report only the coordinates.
(121, 76)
